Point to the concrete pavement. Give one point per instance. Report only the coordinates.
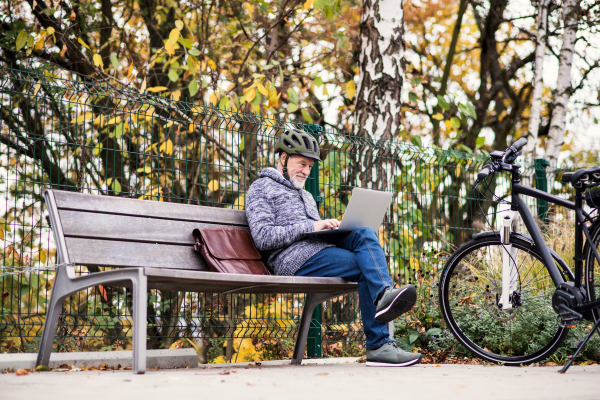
(338, 381)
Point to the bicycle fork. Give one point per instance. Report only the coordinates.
(510, 273)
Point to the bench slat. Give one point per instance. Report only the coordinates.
(212, 282)
(128, 228)
(110, 253)
(147, 208)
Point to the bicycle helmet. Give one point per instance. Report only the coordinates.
(296, 142)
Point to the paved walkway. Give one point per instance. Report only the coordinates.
(331, 382)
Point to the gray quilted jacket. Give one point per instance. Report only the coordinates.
(278, 215)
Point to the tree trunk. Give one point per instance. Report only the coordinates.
(563, 85)
(381, 65)
(536, 102)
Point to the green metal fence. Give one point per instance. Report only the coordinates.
(76, 135)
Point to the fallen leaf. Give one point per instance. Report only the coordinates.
(323, 373)
(22, 372)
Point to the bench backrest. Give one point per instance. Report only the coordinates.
(122, 232)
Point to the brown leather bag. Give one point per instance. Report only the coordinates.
(231, 251)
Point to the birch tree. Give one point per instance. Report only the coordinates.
(563, 85)
(381, 69)
(536, 103)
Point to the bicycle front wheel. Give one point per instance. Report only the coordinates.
(592, 268)
(470, 287)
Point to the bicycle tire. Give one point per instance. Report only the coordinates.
(478, 323)
(592, 268)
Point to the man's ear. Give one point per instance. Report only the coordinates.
(281, 159)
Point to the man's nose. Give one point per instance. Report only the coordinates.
(306, 170)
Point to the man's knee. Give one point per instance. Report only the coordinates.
(366, 231)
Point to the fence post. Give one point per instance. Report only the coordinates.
(541, 183)
(314, 340)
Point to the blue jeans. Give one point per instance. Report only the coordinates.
(358, 258)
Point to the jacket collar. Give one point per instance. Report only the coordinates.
(276, 176)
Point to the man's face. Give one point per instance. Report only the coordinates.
(298, 169)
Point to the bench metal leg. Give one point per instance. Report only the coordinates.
(312, 300)
(65, 285)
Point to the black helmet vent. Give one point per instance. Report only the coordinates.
(315, 147)
(288, 144)
(306, 142)
(296, 140)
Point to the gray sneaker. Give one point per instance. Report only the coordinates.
(390, 355)
(395, 302)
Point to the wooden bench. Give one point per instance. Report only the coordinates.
(150, 245)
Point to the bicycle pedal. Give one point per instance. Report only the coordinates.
(568, 320)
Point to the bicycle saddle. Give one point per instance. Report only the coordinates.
(582, 177)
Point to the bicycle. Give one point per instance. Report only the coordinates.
(507, 297)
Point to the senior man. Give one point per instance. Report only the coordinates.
(280, 211)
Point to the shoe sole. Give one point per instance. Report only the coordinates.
(403, 302)
(385, 364)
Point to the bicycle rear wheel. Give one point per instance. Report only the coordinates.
(592, 268)
(470, 286)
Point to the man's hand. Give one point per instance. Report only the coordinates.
(326, 224)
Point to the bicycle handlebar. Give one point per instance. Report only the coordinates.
(500, 163)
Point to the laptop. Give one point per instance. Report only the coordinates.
(366, 208)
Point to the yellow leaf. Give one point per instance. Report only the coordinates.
(250, 95)
(325, 92)
(143, 87)
(438, 116)
(97, 60)
(169, 149)
(350, 89)
(191, 128)
(50, 30)
(84, 117)
(457, 171)
(231, 87)
(40, 43)
(114, 120)
(157, 89)
(213, 185)
(169, 48)
(213, 99)
(176, 95)
(100, 121)
(212, 65)
(36, 89)
(130, 70)
(176, 345)
(83, 44)
(43, 256)
(174, 35)
(146, 169)
(179, 24)
(308, 4)
(262, 89)
(1, 233)
(239, 202)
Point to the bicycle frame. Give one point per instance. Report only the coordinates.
(518, 207)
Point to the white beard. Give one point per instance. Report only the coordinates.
(298, 183)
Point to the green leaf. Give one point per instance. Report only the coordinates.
(412, 338)
(472, 112)
(119, 129)
(480, 141)
(318, 81)
(267, 67)
(194, 52)
(412, 97)
(114, 61)
(306, 116)
(173, 75)
(293, 96)
(22, 40)
(49, 11)
(443, 103)
(257, 99)
(193, 87)
(465, 148)
(116, 186)
(224, 103)
(433, 331)
(438, 116)
(416, 140)
(280, 74)
(455, 122)
(291, 107)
